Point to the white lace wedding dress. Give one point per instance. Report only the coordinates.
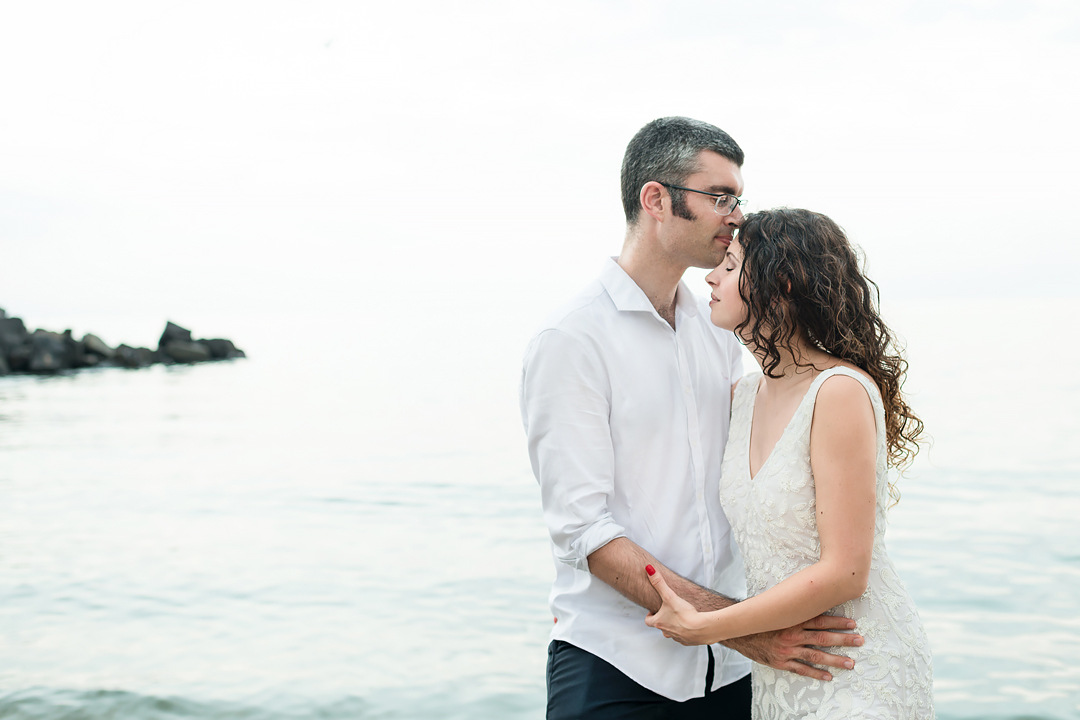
(773, 517)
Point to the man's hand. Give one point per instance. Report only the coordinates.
(795, 648)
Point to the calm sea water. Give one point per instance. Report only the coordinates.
(354, 532)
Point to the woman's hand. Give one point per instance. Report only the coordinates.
(676, 618)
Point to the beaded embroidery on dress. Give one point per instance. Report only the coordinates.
(774, 520)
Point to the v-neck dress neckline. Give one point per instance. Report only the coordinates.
(810, 392)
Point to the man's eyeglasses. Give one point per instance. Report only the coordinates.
(725, 203)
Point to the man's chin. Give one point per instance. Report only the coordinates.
(712, 261)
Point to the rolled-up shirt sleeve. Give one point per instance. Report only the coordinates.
(565, 407)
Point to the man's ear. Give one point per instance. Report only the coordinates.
(655, 200)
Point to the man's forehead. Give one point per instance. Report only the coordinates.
(718, 173)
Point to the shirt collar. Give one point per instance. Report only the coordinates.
(628, 297)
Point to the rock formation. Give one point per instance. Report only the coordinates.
(43, 352)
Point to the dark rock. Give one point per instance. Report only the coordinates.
(49, 352)
(131, 357)
(95, 346)
(125, 356)
(13, 335)
(145, 356)
(74, 351)
(187, 352)
(221, 349)
(4, 369)
(173, 333)
(19, 358)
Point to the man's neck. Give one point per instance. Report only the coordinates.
(655, 275)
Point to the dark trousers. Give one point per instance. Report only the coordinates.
(581, 685)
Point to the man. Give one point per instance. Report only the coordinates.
(625, 398)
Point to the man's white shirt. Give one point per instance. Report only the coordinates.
(626, 421)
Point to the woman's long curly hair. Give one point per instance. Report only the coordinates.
(801, 275)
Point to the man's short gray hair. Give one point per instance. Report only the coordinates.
(666, 150)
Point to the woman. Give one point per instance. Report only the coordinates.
(805, 471)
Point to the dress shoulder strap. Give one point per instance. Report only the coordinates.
(868, 385)
(745, 392)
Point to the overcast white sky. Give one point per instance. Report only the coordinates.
(183, 158)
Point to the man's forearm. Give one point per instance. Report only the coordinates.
(621, 564)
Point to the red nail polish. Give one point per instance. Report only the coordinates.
(650, 569)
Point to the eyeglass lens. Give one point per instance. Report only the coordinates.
(725, 204)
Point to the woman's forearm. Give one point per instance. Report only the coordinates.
(804, 595)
